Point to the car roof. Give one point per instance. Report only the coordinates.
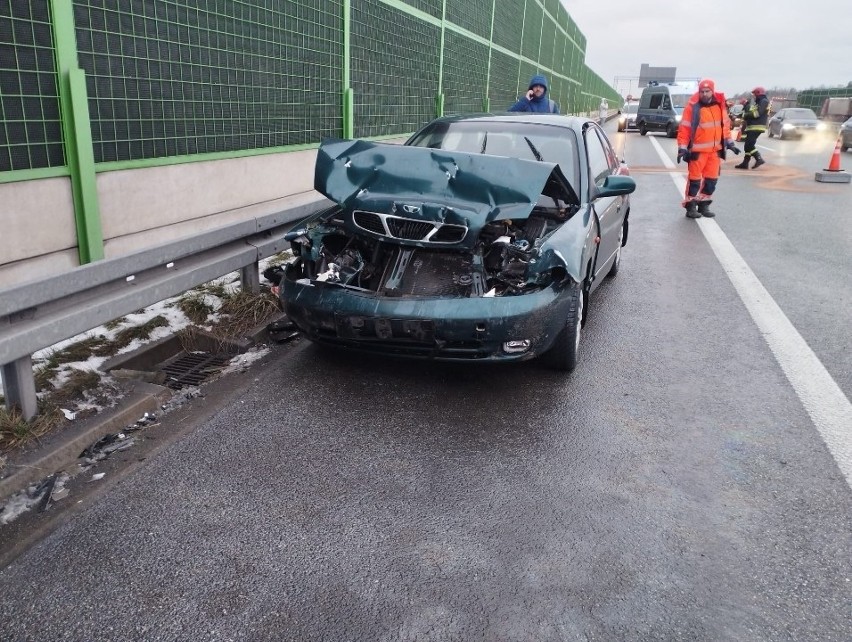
(568, 122)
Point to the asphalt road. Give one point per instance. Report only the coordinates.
(674, 487)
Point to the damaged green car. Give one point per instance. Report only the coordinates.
(480, 239)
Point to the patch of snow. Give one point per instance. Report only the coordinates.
(167, 308)
(243, 361)
(31, 496)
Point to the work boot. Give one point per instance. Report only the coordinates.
(704, 209)
(692, 210)
(758, 160)
(744, 164)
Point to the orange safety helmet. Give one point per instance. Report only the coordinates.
(758, 91)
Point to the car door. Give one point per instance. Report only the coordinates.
(665, 112)
(610, 211)
(655, 108)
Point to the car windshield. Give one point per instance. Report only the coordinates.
(498, 138)
(801, 113)
(679, 100)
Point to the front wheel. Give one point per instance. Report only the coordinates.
(642, 129)
(769, 133)
(671, 130)
(563, 355)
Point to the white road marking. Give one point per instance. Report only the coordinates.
(820, 395)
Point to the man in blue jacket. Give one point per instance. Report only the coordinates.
(536, 99)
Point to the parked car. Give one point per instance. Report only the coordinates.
(846, 135)
(627, 116)
(735, 113)
(794, 122)
(479, 239)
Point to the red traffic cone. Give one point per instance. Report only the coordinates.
(834, 163)
(833, 173)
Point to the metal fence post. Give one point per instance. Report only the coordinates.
(19, 387)
(348, 93)
(439, 95)
(77, 134)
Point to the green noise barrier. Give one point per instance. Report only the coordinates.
(167, 79)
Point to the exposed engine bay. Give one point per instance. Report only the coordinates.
(398, 257)
(421, 222)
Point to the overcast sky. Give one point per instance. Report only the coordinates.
(784, 43)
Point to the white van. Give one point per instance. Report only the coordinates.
(661, 107)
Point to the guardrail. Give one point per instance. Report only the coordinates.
(40, 313)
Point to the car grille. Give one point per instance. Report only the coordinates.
(404, 228)
(370, 222)
(408, 229)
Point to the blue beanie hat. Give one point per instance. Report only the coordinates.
(538, 80)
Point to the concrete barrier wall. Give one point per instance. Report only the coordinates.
(151, 206)
(38, 236)
(143, 208)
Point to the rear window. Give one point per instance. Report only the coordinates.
(630, 108)
(515, 140)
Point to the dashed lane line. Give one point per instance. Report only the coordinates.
(820, 395)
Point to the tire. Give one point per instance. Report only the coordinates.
(616, 264)
(769, 133)
(642, 129)
(671, 130)
(781, 135)
(563, 354)
(844, 148)
(620, 128)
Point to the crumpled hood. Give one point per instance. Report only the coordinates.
(435, 185)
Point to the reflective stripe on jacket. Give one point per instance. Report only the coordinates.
(756, 114)
(704, 128)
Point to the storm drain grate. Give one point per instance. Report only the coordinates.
(192, 368)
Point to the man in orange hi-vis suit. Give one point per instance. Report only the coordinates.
(703, 137)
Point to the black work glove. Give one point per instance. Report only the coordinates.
(734, 149)
(683, 154)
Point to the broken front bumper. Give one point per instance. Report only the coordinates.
(451, 329)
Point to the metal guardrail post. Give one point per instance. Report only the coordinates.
(19, 387)
(250, 278)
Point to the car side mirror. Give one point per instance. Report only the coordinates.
(615, 185)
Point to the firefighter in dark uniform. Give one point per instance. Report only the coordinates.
(755, 116)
